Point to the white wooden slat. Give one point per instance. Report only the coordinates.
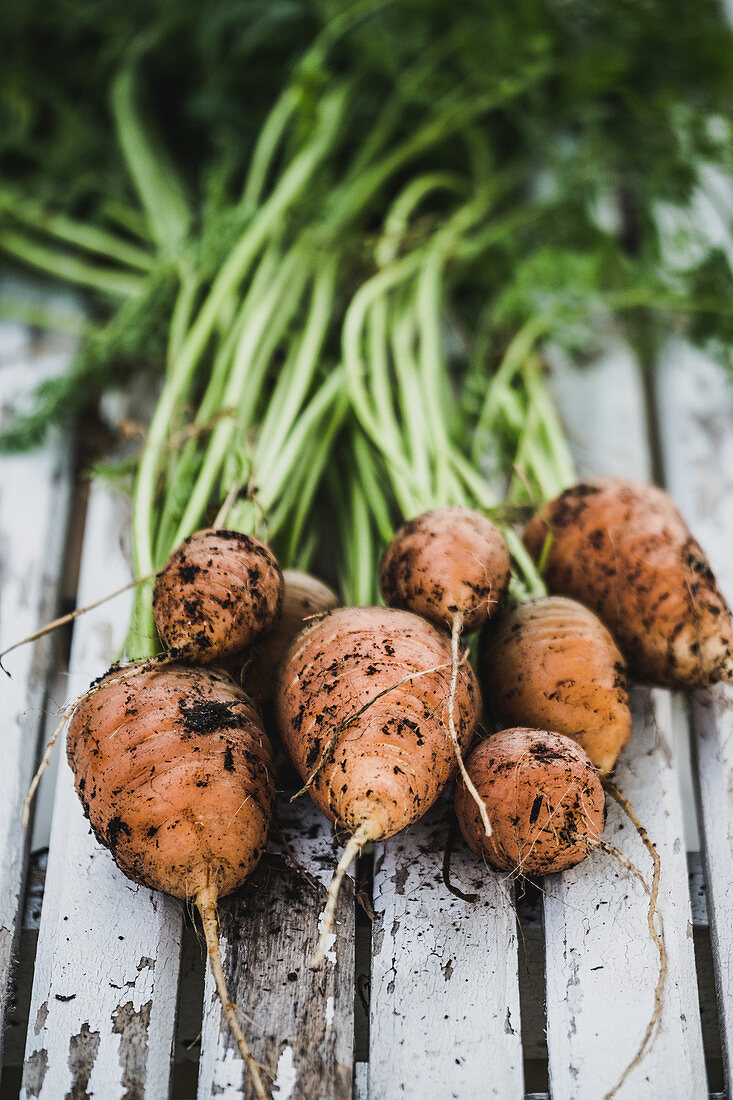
(299, 1022)
(104, 993)
(601, 965)
(601, 410)
(361, 1080)
(696, 413)
(444, 992)
(34, 502)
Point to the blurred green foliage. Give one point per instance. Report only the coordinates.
(581, 116)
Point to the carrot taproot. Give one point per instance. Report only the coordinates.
(176, 776)
(215, 595)
(550, 663)
(624, 550)
(361, 706)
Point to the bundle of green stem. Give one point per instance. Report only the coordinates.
(411, 378)
(358, 295)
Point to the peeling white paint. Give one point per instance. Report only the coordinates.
(286, 1075)
(90, 911)
(429, 1037)
(330, 940)
(330, 1011)
(601, 964)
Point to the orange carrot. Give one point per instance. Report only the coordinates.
(215, 595)
(452, 566)
(304, 597)
(361, 708)
(545, 798)
(550, 663)
(176, 776)
(624, 550)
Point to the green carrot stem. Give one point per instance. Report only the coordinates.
(403, 336)
(269, 138)
(291, 277)
(63, 228)
(232, 272)
(291, 455)
(356, 371)
(184, 462)
(372, 483)
(563, 467)
(181, 318)
(320, 454)
(532, 581)
(295, 379)
(127, 218)
(70, 269)
(152, 172)
(404, 206)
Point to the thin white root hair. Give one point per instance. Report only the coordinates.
(455, 664)
(656, 1017)
(72, 615)
(47, 754)
(228, 504)
(206, 901)
(366, 831)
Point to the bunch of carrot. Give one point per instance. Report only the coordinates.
(343, 348)
(377, 706)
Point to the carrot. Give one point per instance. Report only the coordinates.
(361, 707)
(447, 564)
(624, 550)
(176, 776)
(547, 804)
(545, 798)
(452, 566)
(550, 663)
(215, 595)
(304, 597)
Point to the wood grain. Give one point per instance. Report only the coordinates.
(696, 407)
(445, 992)
(299, 1022)
(104, 993)
(34, 503)
(601, 964)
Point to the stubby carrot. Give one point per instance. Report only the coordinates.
(215, 595)
(176, 776)
(545, 798)
(551, 664)
(625, 551)
(452, 566)
(361, 704)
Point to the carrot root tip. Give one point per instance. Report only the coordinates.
(366, 831)
(206, 903)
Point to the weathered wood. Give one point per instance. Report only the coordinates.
(299, 1022)
(361, 1080)
(104, 993)
(602, 410)
(444, 993)
(34, 501)
(601, 964)
(696, 412)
